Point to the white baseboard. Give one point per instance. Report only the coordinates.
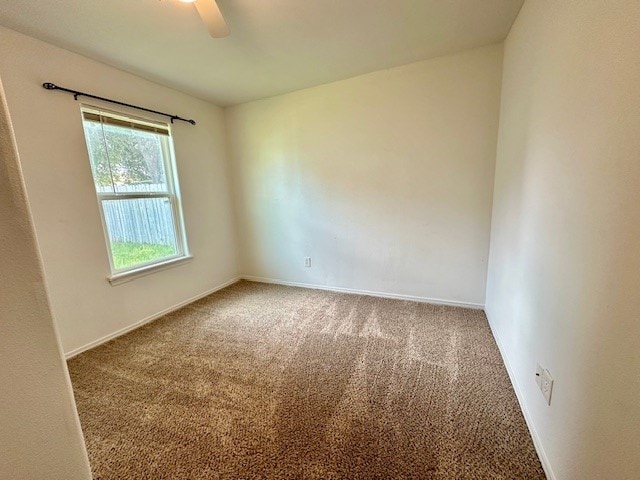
(397, 296)
(537, 443)
(146, 320)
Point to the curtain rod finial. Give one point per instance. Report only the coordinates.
(49, 86)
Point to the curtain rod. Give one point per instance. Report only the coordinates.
(76, 94)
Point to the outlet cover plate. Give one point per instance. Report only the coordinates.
(546, 385)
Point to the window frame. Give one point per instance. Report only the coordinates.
(172, 195)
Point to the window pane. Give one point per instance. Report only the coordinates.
(98, 157)
(125, 160)
(133, 170)
(141, 230)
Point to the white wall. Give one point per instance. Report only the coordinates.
(58, 178)
(385, 180)
(40, 433)
(564, 271)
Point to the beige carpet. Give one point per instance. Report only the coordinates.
(269, 382)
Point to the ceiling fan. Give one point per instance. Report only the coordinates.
(211, 16)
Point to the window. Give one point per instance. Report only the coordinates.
(137, 187)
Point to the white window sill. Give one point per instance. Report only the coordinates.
(120, 278)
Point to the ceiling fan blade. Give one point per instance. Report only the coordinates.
(212, 18)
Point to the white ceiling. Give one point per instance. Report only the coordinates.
(276, 46)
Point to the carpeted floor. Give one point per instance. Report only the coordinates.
(269, 382)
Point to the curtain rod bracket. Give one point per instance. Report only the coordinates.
(76, 94)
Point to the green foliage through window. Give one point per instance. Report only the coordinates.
(131, 254)
(121, 156)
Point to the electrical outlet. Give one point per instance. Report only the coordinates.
(545, 382)
(307, 262)
(547, 385)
